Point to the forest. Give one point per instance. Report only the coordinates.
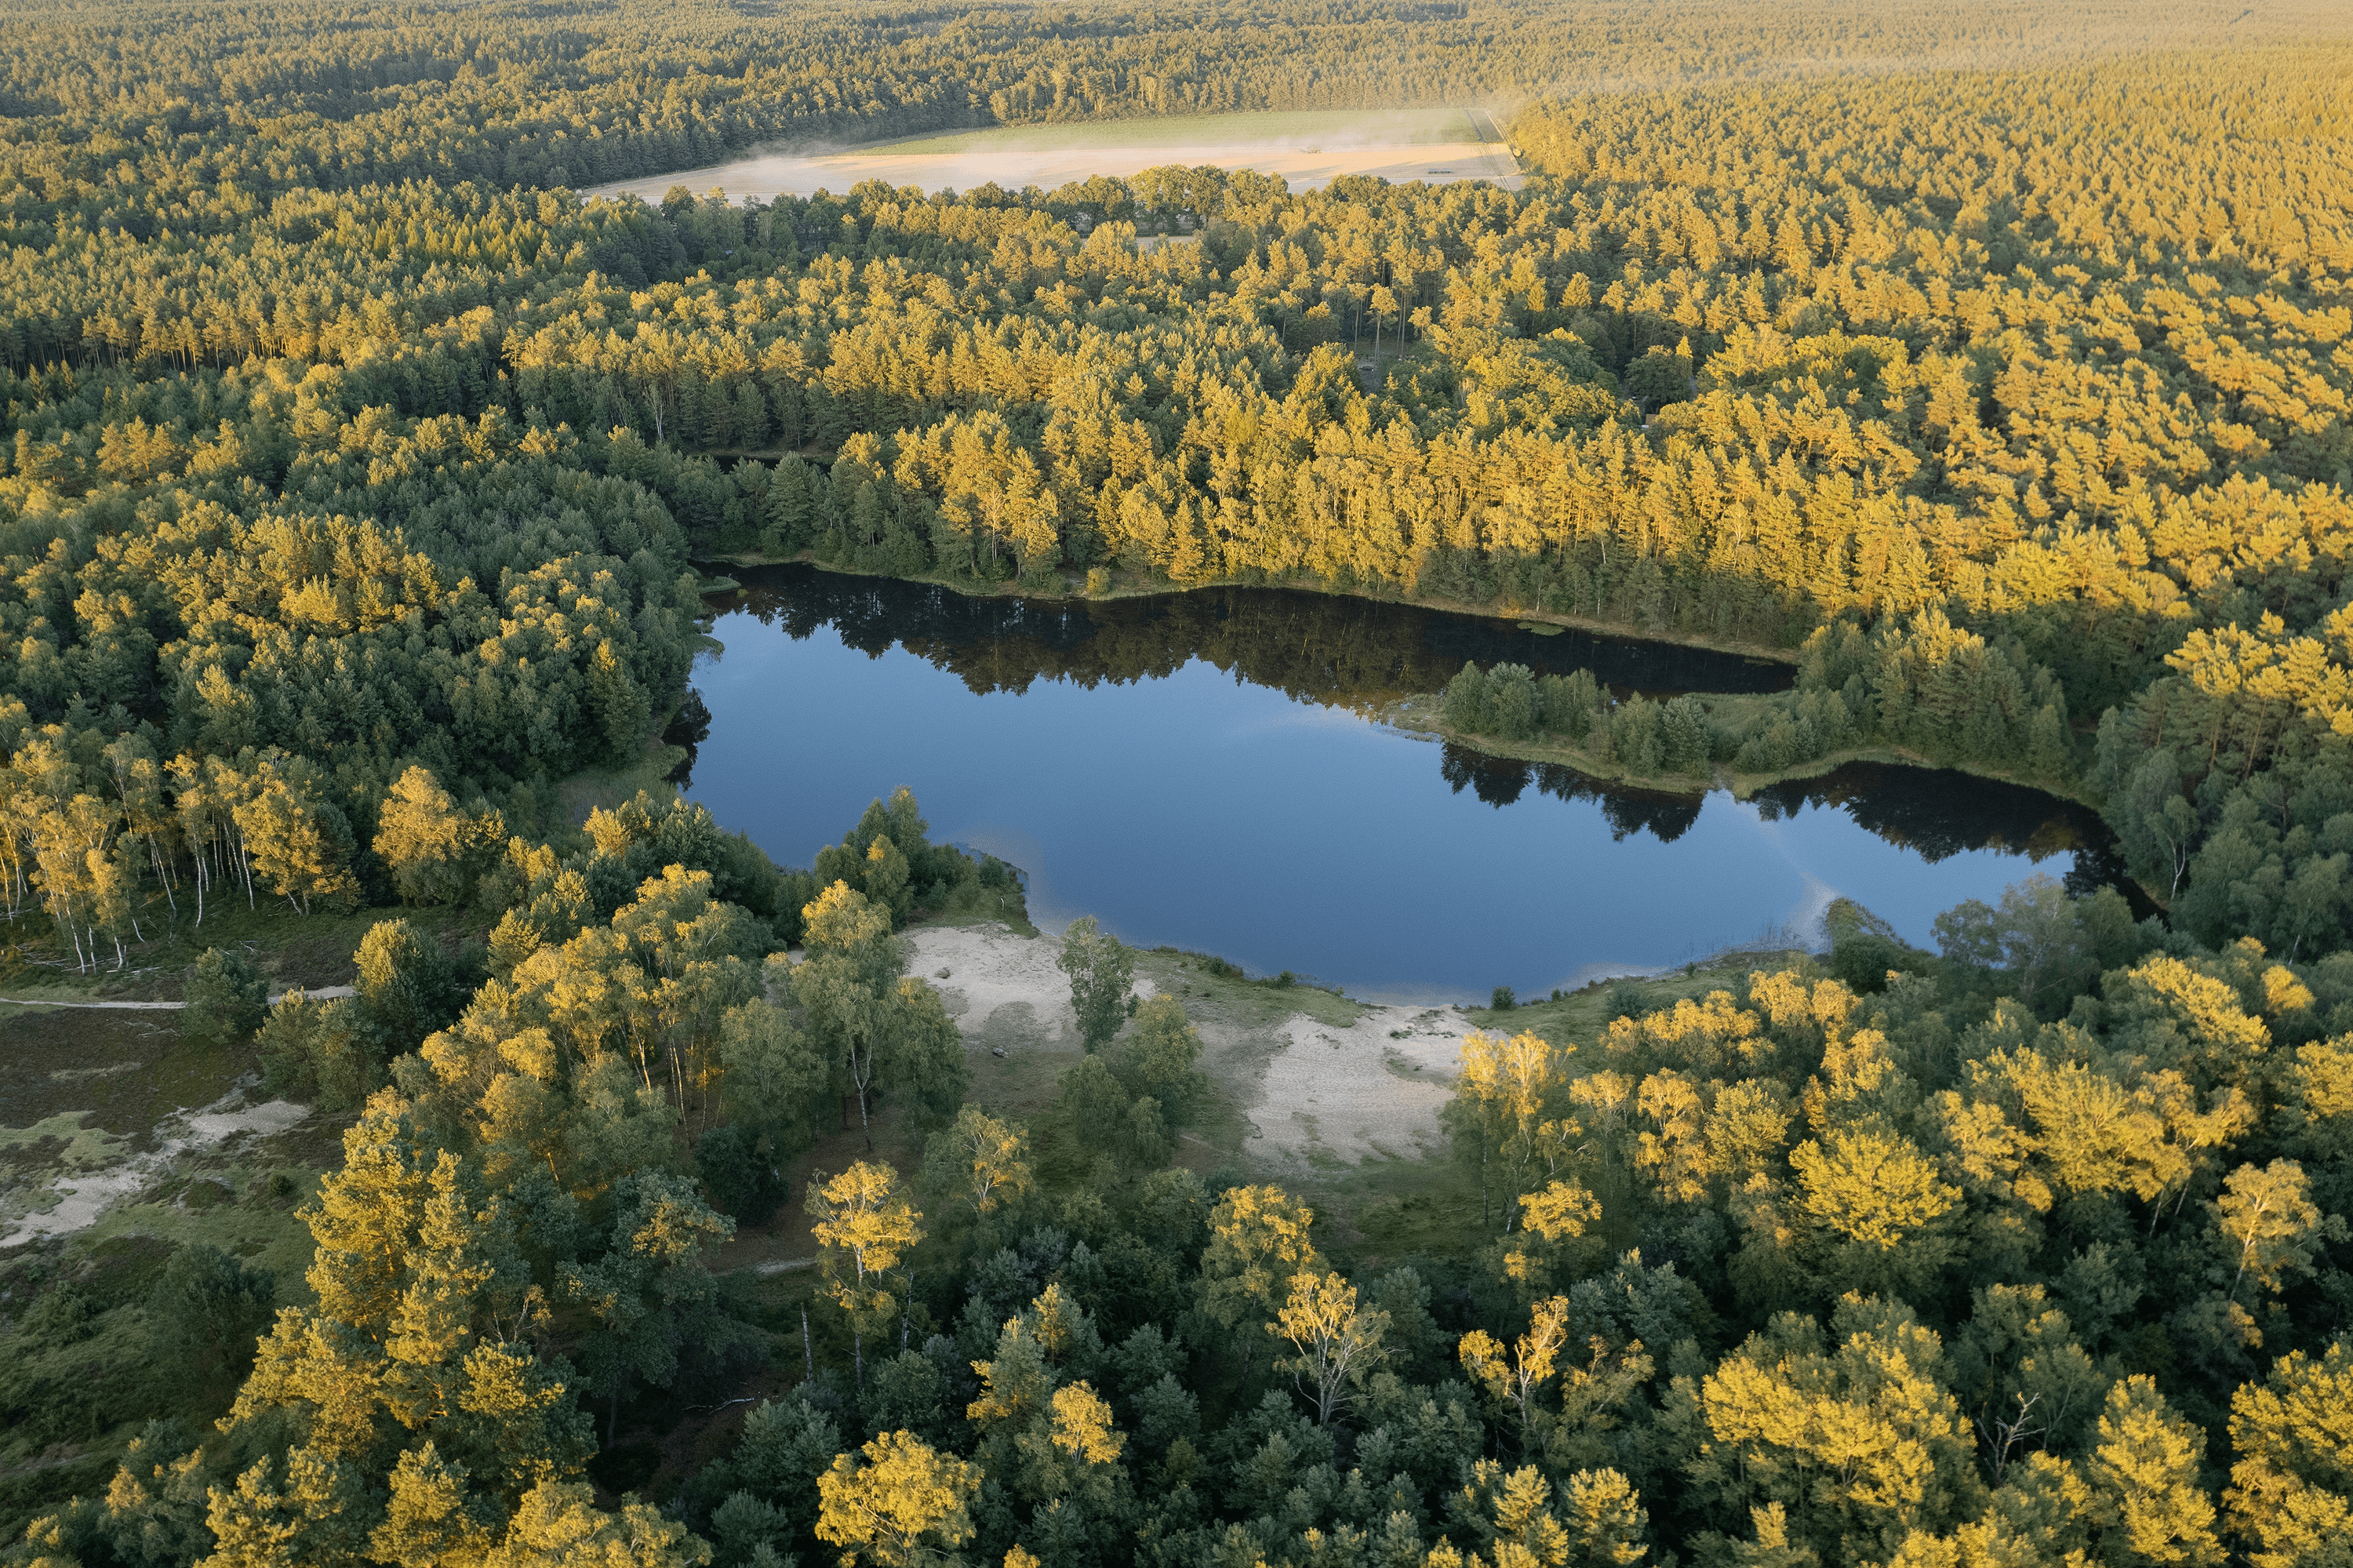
(362, 491)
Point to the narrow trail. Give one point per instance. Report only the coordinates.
(323, 993)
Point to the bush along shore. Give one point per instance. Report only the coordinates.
(1932, 695)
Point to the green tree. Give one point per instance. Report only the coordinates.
(1605, 1520)
(1095, 1114)
(1258, 1242)
(207, 1310)
(845, 986)
(865, 1226)
(416, 1351)
(1103, 972)
(1659, 377)
(227, 997)
(2290, 1492)
(1334, 1343)
(886, 1032)
(984, 1160)
(1879, 1203)
(406, 986)
(649, 1292)
(623, 711)
(318, 1050)
(558, 1524)
(1859, 1442)
(1161, 1057)
(300, 845)
(428, 843)
(2270, 1223)
(773, 1080)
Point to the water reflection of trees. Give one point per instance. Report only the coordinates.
(1501, 780)
(1934, 813)
(1321, 647)
(1363, 653)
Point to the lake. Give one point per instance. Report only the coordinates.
(1202, 770)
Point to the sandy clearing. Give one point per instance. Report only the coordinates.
(1358, 1093)
(76, 1201)
(1002, 989)
(1313, 1092)
(1303, 166)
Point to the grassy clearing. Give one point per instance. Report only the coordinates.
(1372, 127)
(972, 905)
(94, 1095)
(1377, 1214)
(606, 787)
(1216, 992)
(242, 1202)
(122, 1070)
(90, 1091)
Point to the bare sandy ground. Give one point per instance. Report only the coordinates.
(1315, 1092)
(75, 1201)
(1358, 1093)
(1001, 988)
(1306, 167)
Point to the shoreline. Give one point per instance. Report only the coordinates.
(1417, 715)
(1411, 715)
(1763, 653)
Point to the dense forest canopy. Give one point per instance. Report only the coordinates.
(278, 96)
(1990, 363)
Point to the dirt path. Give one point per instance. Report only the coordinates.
(320, 993)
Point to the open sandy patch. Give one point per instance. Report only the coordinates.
(73, 1199)
(1314, 1093)
(1368, 1091)
(1003, 989)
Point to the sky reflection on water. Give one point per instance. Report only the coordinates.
(1202, 810)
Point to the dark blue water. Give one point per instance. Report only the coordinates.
(1192, 771)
